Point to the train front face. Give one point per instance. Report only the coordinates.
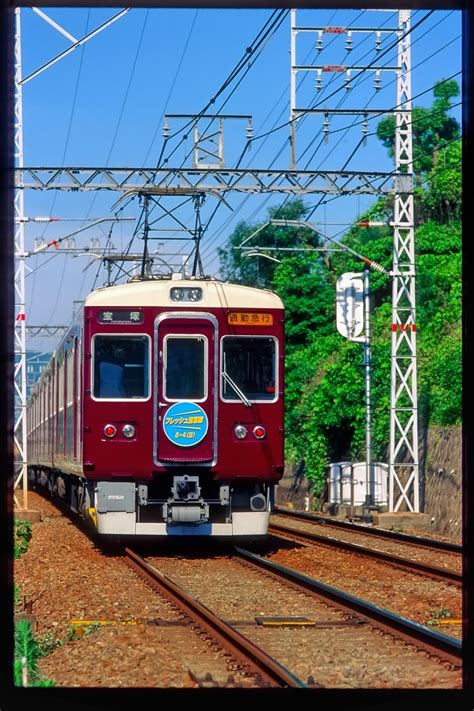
(183, 408)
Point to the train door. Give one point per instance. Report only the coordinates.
(186, 388)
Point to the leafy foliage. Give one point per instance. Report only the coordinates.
(259, 271)
(22, 536)
(27, 652)
(432, 128)
(443, 200)
(325, 394)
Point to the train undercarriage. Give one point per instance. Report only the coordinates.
(172, 504)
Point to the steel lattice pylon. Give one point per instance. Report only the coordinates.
(403, 469)
(20, 316)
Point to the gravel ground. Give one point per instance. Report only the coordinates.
(443, 559)
(342, 657)
(408, 594)
(68, 577)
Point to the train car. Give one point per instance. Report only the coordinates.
(161, 410)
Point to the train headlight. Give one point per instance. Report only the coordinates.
(186, 293)
(259, 432)
(177, 294)
(128, 431)
(195, 294)
(110, 431)
(240, 431)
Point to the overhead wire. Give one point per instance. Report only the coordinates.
(122, 109)
(332, 79)
(263, 37)
(66, 144)
(209, 244)
(173, 84)
(387, 111)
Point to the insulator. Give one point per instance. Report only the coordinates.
(249, 131)
(378, 267)
(348, 80)
(378, 42)
(326, 128)
(349, 42)
(319, 81)
(166, 130)
(41, 219)
(377, 81)
(365, 131)
(71, 243)
(319, 42)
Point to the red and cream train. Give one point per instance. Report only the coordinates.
(161, 410)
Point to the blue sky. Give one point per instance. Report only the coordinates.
(104, 103)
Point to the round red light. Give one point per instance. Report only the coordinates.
(110, 430)
(259, 432)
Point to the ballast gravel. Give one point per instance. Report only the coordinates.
(65, 576)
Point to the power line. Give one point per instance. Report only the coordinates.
(266, 35)
(345, 129)
(31, 300)
(175, 78)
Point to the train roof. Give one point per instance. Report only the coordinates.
(216, 294)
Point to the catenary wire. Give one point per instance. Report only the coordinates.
(388, 110)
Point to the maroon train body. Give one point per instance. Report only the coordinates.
(161, 411)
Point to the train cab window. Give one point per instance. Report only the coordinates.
(121, 369)
(184, 368)
(248, 364)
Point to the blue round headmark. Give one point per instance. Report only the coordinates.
(185, 424)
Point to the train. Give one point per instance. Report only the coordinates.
(161, 411)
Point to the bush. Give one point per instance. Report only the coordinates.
(27, 652)
(22, 537)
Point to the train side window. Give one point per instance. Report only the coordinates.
(121, 367)
(250, 363)
(184, 368)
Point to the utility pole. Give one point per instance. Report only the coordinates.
(403, 485)
(403, 469)
(20, 298)
(20, 433)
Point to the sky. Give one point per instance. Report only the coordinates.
(103, 105)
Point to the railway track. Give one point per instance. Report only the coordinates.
(434, 643)
(437, 559)
(433, 571)
(370, 531)
(267, 671)
(282, 651)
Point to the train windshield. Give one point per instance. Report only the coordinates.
(250, 363)
(185, 358)
(121, 369)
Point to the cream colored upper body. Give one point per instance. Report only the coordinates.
(215, 294)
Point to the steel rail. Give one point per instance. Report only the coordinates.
(435, 643)
(242, 648)
(395, 535)
(434, 571)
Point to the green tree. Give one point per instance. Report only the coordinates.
(432, 128)
(443, 199)
(304, 284)
(259, 271)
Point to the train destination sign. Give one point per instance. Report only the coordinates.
(240, 318)
(121, 316)
(185, 424)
